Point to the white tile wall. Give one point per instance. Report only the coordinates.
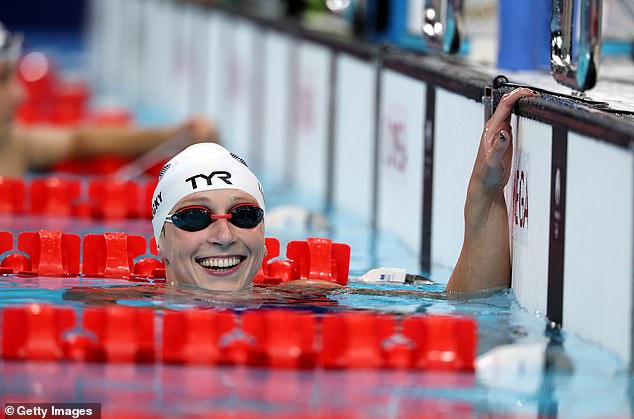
(310, 118)
(354, 136)
(598, 251)
(458, 126)
(216, 58)
(277, 115)
(401, 148)
(531, 179)
(238, 94)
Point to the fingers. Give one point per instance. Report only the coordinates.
(505, 107)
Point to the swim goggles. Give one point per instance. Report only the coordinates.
(10, 44)
(197, 218)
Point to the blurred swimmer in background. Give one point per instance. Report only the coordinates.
(37, 147)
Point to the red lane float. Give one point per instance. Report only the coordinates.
(111, 255)
(69, 102)
(263, 338)
(124, 334)
(35, 331)
(193, 336)
(54, 196)
(51, 253)
(106, 198)
(281, 338)
(354, 340)
(12, 192)
(264, 275)
(314, 258)
(6, 241)
(442, 342)
(321, 259)
(114, 199)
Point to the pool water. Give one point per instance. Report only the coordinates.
(582, 379)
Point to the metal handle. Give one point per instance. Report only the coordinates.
(443, 35)
(582, 74)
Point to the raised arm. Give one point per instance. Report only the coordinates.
(485, 258)
(45, 146)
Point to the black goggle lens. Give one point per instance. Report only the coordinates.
(199, 218)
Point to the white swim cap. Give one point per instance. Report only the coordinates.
(200, 167)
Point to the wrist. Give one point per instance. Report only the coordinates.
(484, 204)
(479, 190)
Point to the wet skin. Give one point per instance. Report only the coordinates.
(222, 257)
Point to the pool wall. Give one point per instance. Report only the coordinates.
(390, 137)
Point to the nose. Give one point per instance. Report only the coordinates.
(221, 233)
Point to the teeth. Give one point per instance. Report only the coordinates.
(223, 263)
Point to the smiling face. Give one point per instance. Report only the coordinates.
(221, 257)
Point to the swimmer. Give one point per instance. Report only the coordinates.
(208, 216)
(39, 147)
(208, 219)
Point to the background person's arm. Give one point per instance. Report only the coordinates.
(485, 258)
(46, 145)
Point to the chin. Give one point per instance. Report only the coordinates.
(230, 283)
(222, 285)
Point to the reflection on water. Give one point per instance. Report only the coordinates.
(590, 373)
(161, 296)
(314, 297)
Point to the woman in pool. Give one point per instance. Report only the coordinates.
(208, 212)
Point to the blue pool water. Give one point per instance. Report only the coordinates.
(583, 379)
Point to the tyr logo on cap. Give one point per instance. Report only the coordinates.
(222, 175)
